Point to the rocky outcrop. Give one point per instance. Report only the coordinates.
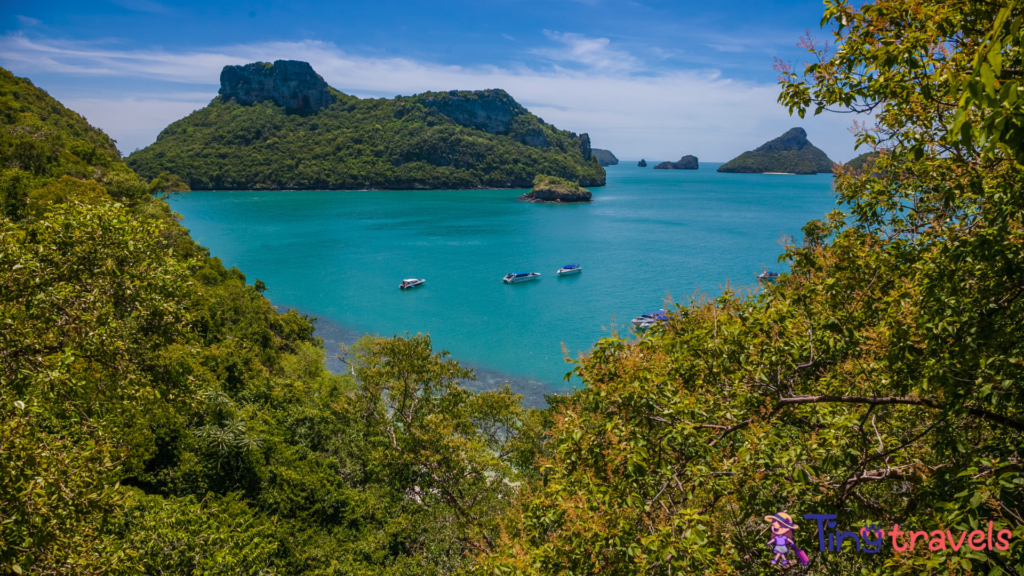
(584, 140)
(535, 137)
(604, 157)
(642, 163)
(489, 110)
(288, 83)
(790, 153)
(555, 190)
(688, 162)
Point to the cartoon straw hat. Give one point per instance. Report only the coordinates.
(782, 518)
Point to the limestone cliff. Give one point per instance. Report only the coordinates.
(489, 110)
(688, 162)
(288, 83)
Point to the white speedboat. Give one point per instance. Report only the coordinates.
(648, 319)
(768, 276)
(569, 269)
(411, 283)
(520, 277)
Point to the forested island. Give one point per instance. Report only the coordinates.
(605, 157)
(688, 162)
(158, 416)
(280, 126)
(790, 153)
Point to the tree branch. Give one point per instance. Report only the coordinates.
(875, 401)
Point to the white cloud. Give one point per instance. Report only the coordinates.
(136, 121)
(591, 52)
(654, 116)
(28, 21)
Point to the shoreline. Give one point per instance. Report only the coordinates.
(334, 334)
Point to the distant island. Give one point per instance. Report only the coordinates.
(280, 126)
(604, 157)
(857, 164)
(688, 162)
(555, 190)
(642, 163)
(790, 153)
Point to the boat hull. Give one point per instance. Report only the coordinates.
(413, 284)
(518, 279)
(564, 272)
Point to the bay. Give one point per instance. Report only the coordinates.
(648, 236)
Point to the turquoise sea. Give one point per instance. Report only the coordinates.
(647, 236)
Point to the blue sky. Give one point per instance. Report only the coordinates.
(646, 79)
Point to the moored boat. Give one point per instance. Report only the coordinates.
(648, 319)
(411, 283)
(520, 277)
(767, 276)
(569, 269)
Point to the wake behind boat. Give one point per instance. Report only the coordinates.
(411, 283)
(648, 319)
(569, 269)
(520, 277)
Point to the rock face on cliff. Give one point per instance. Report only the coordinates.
(288, 83)
(585, 149)
(605, 157)
(489, 110)
(790, 153)
(688, 162)
(555, 190)
(250, 137)
(495, 112)
(642, 163)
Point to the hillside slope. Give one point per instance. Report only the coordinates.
(159, 416)
(291, 131)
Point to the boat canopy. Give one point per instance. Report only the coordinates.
(570, 266)
(522, 274)
(654, 313)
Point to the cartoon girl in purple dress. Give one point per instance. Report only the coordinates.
(782, 539)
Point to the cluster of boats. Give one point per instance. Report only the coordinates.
(511, 278)
(641, 322)
(515, 277)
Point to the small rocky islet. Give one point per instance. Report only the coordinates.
(555, 190)
(790, 153)
(642, 163)
(688, 162)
